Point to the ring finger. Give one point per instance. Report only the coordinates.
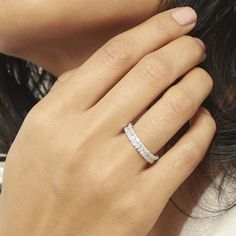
(163, 120)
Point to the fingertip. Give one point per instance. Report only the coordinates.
(204, 118)
(204, 110)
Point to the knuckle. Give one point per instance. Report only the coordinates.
(62, 79)
(192, 152)
(203, 74)
(38, 117)
(65, 76)
(117, 51)
(179, 102)
(153, 67)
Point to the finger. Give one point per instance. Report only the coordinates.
(179, 162)
(178, 105)
(147, 80)
(109, 64)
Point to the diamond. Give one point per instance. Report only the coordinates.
(138, 145)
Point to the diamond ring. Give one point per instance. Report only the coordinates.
(138, 145)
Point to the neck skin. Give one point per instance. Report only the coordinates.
(62, 37)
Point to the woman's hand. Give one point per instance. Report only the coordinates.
(71, 169)
(60, 35)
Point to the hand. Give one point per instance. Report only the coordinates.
(71, 169)
(60, 35)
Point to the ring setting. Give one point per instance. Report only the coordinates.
(138, 145)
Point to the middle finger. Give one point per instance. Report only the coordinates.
(147, 80)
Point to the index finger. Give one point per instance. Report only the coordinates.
(112, 61)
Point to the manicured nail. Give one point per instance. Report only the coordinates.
(204, 110)
(185, 16)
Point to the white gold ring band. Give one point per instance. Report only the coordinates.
(138, 145)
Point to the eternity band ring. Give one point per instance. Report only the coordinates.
(138, 145)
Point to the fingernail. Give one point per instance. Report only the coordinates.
(185, 16)
(204, 110)
(201, 43)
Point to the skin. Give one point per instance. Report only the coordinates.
(60, 35)
(85, 178)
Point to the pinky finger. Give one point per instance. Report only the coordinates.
(164, 177)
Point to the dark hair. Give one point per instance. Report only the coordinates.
(22, 84)
(217, 28)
